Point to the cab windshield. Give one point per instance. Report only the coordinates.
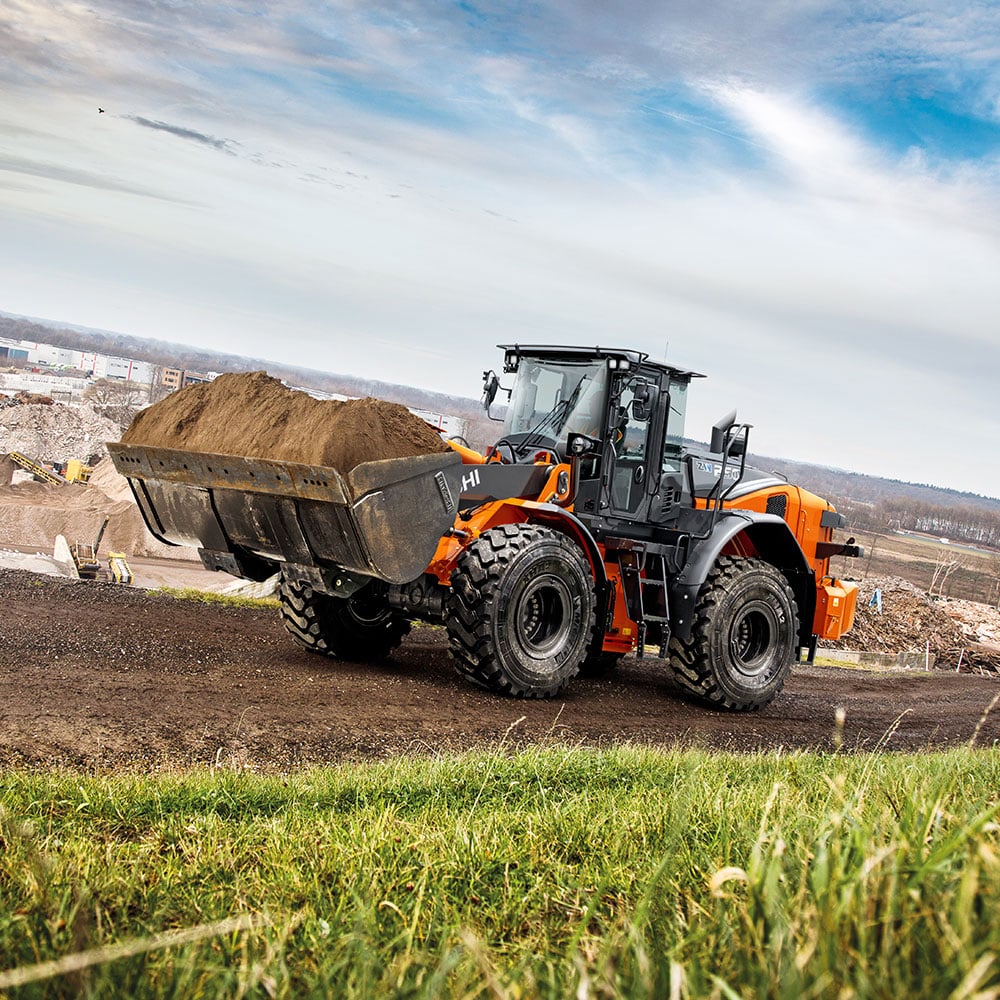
(551, 399)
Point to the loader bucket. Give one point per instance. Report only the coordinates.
(382, 519)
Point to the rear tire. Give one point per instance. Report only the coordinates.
(744, 638)
(361, 627)
(521, 610)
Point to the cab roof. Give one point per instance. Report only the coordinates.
(561, 352)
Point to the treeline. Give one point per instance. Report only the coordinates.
(959, 523)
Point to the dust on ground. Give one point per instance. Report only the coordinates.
(254, 415)
(102, 678)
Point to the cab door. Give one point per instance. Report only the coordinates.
(633, 419)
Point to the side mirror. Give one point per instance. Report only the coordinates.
(491, 385)
(642, 400)
(719, 433)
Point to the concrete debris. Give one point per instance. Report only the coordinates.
(251, 589)
(36, 562)
(56, 433)
(979, 622)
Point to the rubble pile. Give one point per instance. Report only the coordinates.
(25, 398)
(980, 622)
(254, 415)
(910, 620)
(56, 432)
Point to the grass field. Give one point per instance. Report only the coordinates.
(559, 872)
(917, 558)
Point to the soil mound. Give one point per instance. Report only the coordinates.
(33, 514)
(254, 415)
(108, 480)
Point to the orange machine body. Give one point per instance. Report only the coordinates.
(836, 600)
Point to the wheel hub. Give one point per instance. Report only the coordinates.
(543, 612)
(751, 638)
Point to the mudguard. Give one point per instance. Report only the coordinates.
(771, 539)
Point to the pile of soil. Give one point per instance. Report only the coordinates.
(32, 515)
(110, 482)
(254, 415)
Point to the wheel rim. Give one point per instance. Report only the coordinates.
(367, 612)
(542, 613)
(752, 637)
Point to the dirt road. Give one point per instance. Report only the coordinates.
(103, 677)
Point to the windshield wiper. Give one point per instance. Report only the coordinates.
(552, 418)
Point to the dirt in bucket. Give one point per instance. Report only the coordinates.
(253, 415)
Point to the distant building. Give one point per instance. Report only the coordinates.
(90, 362)
(177, 378)
(172, 378)
(11, 352)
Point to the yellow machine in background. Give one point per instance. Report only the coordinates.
(77, 471)
(119, 568)
(88, 565)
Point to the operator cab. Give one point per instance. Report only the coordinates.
(632, 409)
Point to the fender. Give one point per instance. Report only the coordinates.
(513, 511)
(508, 511)
(766, 536)
(569, 524)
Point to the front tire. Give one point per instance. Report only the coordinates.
(521, 610)
(362, 628)
(744, 638)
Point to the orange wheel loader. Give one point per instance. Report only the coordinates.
(586, 532)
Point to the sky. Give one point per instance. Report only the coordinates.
(799, 199)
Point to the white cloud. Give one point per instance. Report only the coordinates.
(407, 186)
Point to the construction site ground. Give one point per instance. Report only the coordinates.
(103, 677)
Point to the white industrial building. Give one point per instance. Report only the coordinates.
(94, 364)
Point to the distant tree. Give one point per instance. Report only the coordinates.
(944, 566)
(116, 399)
